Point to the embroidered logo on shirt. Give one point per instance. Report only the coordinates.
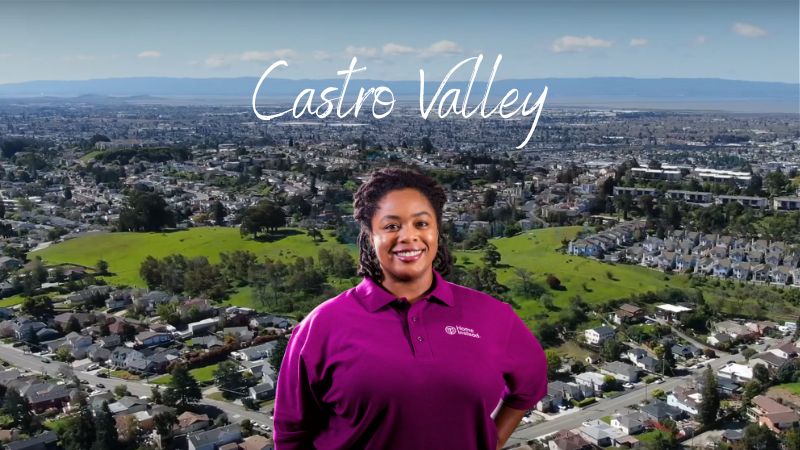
(464, 331)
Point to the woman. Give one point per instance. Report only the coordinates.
(406, 360)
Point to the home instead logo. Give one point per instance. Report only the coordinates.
(464, 331)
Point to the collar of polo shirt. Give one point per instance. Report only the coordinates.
(374, 297)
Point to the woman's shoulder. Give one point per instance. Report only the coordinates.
(474, 298)
(329, 310)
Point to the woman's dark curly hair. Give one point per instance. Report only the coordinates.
(365, 203)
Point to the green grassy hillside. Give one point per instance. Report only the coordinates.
(124, 252)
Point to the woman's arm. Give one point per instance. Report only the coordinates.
(506, 420)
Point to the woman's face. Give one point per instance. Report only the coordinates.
(405, 235)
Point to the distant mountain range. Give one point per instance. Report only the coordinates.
(664, 92)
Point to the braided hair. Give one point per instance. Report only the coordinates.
(365, 204)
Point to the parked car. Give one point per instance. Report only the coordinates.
(46, 360)
(627, 385)
(100, 385)
(93, 367)
(102, 375)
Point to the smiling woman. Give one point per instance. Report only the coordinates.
(406, 359)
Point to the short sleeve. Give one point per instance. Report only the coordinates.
(524, 366)
(298, 413)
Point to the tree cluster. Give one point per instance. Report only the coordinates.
(177, 274)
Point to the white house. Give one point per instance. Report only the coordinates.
(596, 336)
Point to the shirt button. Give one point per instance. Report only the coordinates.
(414, 319)
(419, 338)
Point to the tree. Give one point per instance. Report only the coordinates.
(219, 212)
(150, 271)
(791, 439)
(525, 284)
(106, 436)
(263, 216)
(102, 267)
(129, 429)
(39, 307)
(553, 282)
(230, 381)
(165, 423)
(121, 390)
(709, 407)
(553, 363)
(155, 395)
(15, 406)
(146, 211)
(761, 373)
(276, 359)
(757, 437)
(183, 389)
(748, 353)
(63, 354)
(624, 203)
(611, 350)
(72, 325)
(490, 255)
(81, 435)
(247, 427)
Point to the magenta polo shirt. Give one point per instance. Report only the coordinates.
(366, 370)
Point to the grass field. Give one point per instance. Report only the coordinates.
(125, 252)
(537, 252)
(793, 388)
(203, 374)
(11, 301)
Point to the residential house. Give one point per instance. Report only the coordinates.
(598, 335)
(212, 439)
(569, 440)
(127, 405)
(736, 372)
(601, 434)
(769, 360)
(659, 410)
(256, 352)
(189, 422)
(685, 399)
(593, 380)
(772, 414)
(152, 338)
(256, 442)
(621, 371)
(717, 339)
(47, 440)
(671, 313)
(630, 423)
(735, 330)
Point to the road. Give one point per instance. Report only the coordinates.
(607, 407)
(34, 363)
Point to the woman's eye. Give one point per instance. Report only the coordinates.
(391, 227)
(422, 224)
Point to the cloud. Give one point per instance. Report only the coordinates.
(217, 61)
(77, 58)
(284, 53)
(361, 52)
(441, 48)
(321, 55)
(149, 54)
(638, 42)
(396, 49)
(578, 44)
(700, 39)
(747, 30)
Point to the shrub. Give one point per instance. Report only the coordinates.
(553, 281)
(585, 402)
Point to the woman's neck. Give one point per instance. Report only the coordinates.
(410, 290)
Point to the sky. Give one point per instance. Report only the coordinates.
(755, 40)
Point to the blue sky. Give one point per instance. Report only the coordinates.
(742, 40)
